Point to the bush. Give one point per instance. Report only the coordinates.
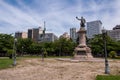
(73, 53)
(112, 54)
(9, 53)
(45, 53)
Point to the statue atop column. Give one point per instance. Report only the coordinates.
(83, 21)
(82, 51)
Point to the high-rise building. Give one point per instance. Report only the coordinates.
(30, 33)
(73, 34)
(20, 34)
(116, 27)
(115, 33)
(49, 37)
(65, 35)
(93, 28)
(24, 34)
(34, 33)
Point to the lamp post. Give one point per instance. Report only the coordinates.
(60, 50)
(43, 40)
(107, 70)
(14, 50)
(22, 50)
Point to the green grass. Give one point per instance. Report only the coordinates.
(108, 77)
(5, 62)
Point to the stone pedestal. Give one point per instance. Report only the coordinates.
(82, 51)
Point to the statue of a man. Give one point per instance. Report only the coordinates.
(82, 21)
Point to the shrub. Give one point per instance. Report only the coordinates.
(112, 54)
(9, 53)
(45, 53)
(73, 53)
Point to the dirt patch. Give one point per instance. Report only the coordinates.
(51, 69)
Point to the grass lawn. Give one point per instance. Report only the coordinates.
(108, 77)
(5, 62)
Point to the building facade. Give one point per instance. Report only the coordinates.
(65, 35)
(73, 34)
(30, 33)
(34, 33)
(115, 33)
(21, 35)
(94, 28)
(50, 37)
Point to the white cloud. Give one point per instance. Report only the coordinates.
(58, 14)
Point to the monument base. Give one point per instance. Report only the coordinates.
(82, 52)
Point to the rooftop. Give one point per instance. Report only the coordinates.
(116, 27)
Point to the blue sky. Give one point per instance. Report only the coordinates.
(20, 15)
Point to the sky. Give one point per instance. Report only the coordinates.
(59, 15)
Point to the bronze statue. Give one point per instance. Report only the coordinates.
(82, 21)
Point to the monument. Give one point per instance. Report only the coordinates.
(82, 51)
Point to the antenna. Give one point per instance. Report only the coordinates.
(44, 26)
(44, 30)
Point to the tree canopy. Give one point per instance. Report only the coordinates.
(60, 47)
(6, 43)
(97, 45)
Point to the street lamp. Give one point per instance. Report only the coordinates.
(22, 50)
(43, 40)
(14, 52)
(60, 50)
(42, 54)
(107, 70)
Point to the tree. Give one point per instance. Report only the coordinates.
(66, 47)
(61, 47)
(35, 49)
(24, 45)
(97, 45)
(6, 43)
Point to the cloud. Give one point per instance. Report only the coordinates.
(58, 14)
(15, 16)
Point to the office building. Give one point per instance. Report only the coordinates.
(115, 33)
(49, 37)
(94, 28)
(65, 35)
(21, 35)
(73, 34)
(34, 33)
(30, 33)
